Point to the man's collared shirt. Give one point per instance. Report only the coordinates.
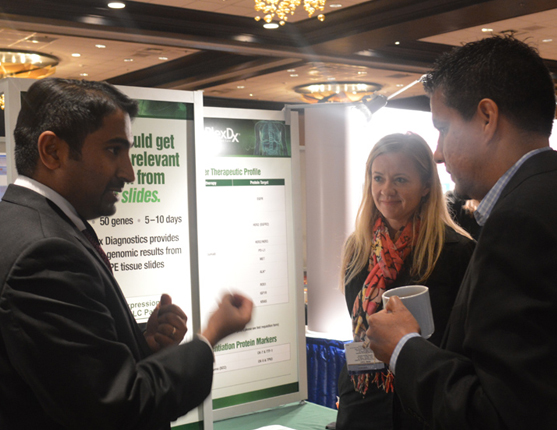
(488, 202)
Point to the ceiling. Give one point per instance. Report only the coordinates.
(218, 47)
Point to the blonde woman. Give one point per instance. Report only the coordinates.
(404, 235)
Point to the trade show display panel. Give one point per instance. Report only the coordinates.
(247, 175)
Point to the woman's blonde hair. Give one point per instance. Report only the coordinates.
(432, 212)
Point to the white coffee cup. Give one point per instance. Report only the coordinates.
(416, 299)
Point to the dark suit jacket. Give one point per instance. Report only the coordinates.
(71, 354)
(498, 365)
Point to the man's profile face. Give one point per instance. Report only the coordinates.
(93, 181)
(457, 147)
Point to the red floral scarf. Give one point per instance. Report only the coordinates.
(385, 263)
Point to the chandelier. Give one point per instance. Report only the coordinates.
(26, 64)
(343, 92)
(283, 8)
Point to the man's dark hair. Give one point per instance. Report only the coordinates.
(502, 69)
(71, 109)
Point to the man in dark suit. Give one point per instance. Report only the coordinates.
(493, 103)
(71, 354)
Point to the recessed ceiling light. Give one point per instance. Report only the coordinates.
(84, 74)
(75, 54)
(487, 30)
(271, 25)
(547, 40)
(397, 43)
(291, 70)
(294, 75)
(163, 58)
(399, 85)
(362, 73)
(331, 79)
(116, 5)
(240, 87)
(366, 53)
(335, 5)
(251, 95)
(249, 38)
(128, 60)
(100, 46)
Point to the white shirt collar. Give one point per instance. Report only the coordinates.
(57, 199)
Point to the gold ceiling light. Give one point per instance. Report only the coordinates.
(340, 92)
(26, 64)
(284, 8)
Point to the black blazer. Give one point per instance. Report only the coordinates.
(71, 353)
(498, 365)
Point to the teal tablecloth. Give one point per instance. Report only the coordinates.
(305, 416)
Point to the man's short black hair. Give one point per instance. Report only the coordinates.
(502, 69)
(72, 109)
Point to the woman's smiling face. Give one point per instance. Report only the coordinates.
(396, 187)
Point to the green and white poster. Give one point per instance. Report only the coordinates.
(148, 239)
(246, 245)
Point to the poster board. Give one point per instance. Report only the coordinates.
(150, 241)
(249, 238)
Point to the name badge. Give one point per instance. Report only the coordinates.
(361, 359)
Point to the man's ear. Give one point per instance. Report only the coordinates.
(488, 114)
(53, 151)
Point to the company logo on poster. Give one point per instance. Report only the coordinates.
(225, 136)
(245, 138)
